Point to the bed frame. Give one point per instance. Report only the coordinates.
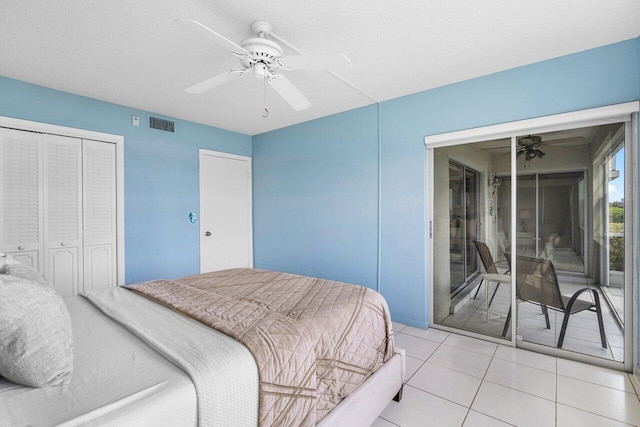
(362, 407)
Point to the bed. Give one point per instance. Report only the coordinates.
(140, 359)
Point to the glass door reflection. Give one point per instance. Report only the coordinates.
(570, 224)
(466, 185)
(463, 222)
(550, 218)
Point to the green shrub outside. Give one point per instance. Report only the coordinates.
(616, 243)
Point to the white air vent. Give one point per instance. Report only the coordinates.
(161, 124)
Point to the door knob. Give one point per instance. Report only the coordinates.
(63, 243)
(207, 233)
(21, 248)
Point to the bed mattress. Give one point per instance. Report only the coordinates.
(117, 380)
(133, 364)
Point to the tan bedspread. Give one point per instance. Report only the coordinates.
(314, 340)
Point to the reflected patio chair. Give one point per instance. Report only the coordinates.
(491, 273)
(537, 283)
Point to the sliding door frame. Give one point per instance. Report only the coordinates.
(476, 200)
(627, 113)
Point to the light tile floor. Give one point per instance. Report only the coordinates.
(453, 380)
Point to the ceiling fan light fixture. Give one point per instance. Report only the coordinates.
(260, 70)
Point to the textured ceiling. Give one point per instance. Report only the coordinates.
(130, 52)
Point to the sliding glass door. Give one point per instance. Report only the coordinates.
(530, 240)
(463, 200)
(564, 292)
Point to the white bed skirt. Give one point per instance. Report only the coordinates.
(362, 407)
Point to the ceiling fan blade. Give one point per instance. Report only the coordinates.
(289, 92)
(216, 81)
(317, 62)
(197, 28)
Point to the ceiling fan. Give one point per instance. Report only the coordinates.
(264, 59)
(530, 147)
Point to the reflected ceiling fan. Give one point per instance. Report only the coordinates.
(264, 59)
(537, 146)
(530, 147)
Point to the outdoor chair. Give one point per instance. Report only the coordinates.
(537, 283)
(491, 272)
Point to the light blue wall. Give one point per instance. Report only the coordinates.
(315, 198)
(161, 172)
(295, 231)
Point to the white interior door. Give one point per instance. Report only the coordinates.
(225, 211)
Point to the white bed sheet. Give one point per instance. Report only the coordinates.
(222, 369)
(117, 380)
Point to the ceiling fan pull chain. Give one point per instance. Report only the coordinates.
(265, 111)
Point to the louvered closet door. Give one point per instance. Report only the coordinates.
(21, 197)
(62, 158)
(99, 195)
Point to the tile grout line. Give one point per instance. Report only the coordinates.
(480, 386)
(529, 366)
(440, 344)
(595, 413)
(424, 361)
(556, 402)
(520, 391)
(600, 385)
(391, 422)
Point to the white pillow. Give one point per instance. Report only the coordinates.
(10, 266)
(36, 341)
(3, 260)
